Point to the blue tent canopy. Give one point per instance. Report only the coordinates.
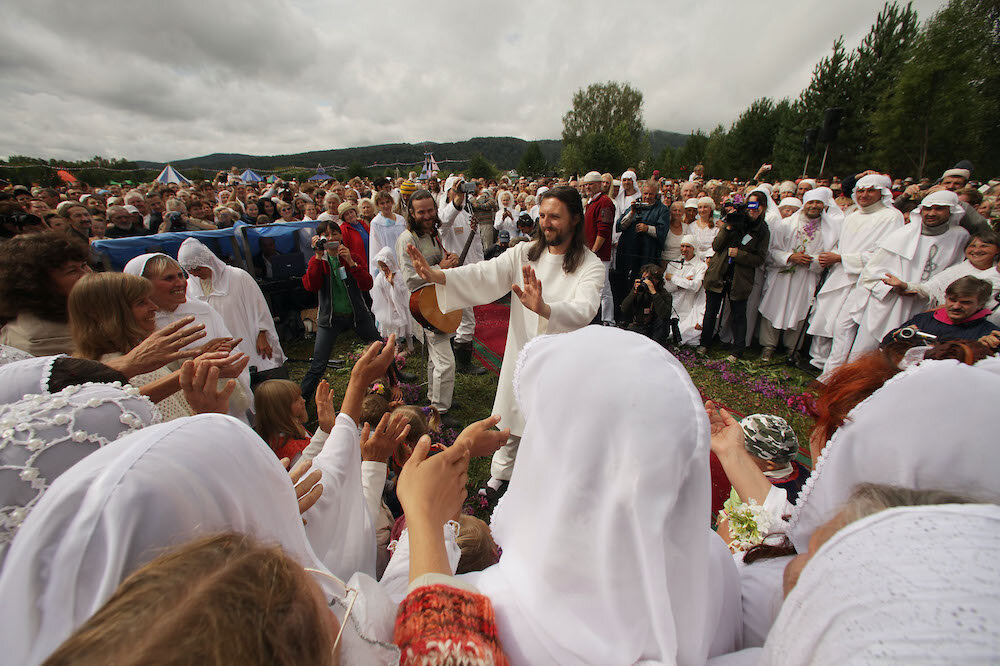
(249, 176)
(320, 174)
(171, 175)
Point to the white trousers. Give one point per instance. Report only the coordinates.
(502, 465)
(440, 370)
(820, 351)
(607, 300)
(467, 327)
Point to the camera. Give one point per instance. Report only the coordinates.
(320, 244)
(467, 188)
(910, 332)
(640, 207)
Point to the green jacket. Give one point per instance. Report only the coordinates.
(750, 255)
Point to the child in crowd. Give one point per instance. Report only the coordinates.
(773, 445)
(280, 417)
(391, 299)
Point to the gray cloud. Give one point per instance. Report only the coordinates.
(152, 80)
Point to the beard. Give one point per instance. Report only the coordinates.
(555, 239)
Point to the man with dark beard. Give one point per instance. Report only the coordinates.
(557, 282)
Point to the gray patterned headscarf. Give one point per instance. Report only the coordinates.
(769, 437)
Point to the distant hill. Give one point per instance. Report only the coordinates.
(504, 152)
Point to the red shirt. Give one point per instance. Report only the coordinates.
(318, 269)
(597, 221)
(354, 243)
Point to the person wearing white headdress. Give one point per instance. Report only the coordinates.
(981, 256)
(830, 203)
(42, 436)
(170, 296)
(683, 280)
(872, 220)
(793, 272)
(893, 437)
(788, 207)
(906, 585)
(590, 539)
(804, 186)
(391, 298)
(506, 218)
(386, 228)
(533, 211)
(628, 193)
(703, 227)
(952, 180)
(158, 488)
(786, 189)
(455, 230)
(930, 243)
(235, 295)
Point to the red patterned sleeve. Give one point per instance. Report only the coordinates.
(439, 624)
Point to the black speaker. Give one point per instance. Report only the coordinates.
(809, 140)
(831, 124)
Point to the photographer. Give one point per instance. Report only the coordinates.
(643, 228)
(740, 247)
(339, 277)
(647, 308)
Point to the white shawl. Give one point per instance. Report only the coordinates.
(23, 378)
(161, 487)
(607, 553)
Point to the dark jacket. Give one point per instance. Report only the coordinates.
(641, 307)
(319, 278)
(937, 323)
(752, 251)
(636, 250)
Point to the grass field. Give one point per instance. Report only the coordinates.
(747, 386)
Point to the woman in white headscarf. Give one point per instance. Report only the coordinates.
(391, 298)
(607, 556)
(170, 296)
(123, 505)
(41, 436)
(924, 429)
(506, 218)
(234, 294)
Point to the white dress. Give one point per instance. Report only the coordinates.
(574, 299)
(685, 286)
(391, 302)
(384, 233)
(703, 236)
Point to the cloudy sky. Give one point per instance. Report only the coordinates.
(163, 80)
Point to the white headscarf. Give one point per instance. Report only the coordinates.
(926, 428)
(790, 201)
(874, 180)
(390, 302)
(41, 436)
(831, 217)
(605, 543)
(23, 378)
(159, 488)
(194, 254)
(904, 586)
(10, 354)
(771, 214)
(939, 198)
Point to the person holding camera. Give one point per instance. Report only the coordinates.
(740, 248)
(456, 227)
(962, 317)
(643, 228)
(648, 306)
(339, 278)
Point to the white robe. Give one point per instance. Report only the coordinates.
(703, 236)
(391, 302)
(384, 233)
(455, 227)
(685, 286)
(861, 232)
(574, 299)
(790, 287)
(910, 256)
(934, 288)
(508, 224)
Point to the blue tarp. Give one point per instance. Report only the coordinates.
(121, 250)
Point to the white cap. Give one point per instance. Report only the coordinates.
(688, 239)
(691, 203)
(132, 209)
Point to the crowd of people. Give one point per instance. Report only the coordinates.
(167, 494)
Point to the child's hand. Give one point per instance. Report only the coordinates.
(325, 412)
(379, 444)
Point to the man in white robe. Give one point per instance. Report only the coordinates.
(794, 271)
(874, 218)
(980, 262)
(550, 299)
(684, 284)
(930, 243)
(456, 228)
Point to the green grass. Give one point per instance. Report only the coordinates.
(747, 386)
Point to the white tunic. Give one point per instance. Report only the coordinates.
(455, 227)
(505, 223)
(934, 288)
(910, 256)
(790, 287)
(685, 285)
(703, 237)
(573, 297)
(384, 233)
(861, 231)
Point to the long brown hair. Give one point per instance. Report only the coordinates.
(100, 313)
(223, 599)
(272, 402)
(577, 246)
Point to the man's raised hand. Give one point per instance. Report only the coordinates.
(531, 295)
(422, 268)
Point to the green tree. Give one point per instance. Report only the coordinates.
(480, 167)
(945, 103)
(604, 129)
(691, 153)
(356, 168)
(532, 161)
